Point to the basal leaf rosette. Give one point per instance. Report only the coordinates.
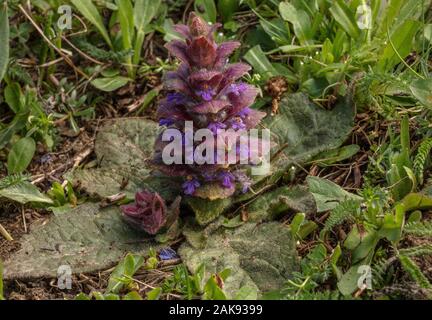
(205, 93)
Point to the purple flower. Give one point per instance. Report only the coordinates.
(227, 179)
(237, 123)
(206, 94)
(245, 112)
(243, 179)
(175, 97)
(216, 126)
(190, 186)
(167, 254)
(165, 122)
(237, 88)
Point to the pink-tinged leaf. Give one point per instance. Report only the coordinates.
(168, 110)
(234, 72)
(148, 213)
(204, 78)
(183, 30)
(245, 98)
(201, 52)
(198, 27)
(213, 106)
(224, 50)
(178, 49)
(253, 118)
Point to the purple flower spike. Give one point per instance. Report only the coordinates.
(190, 186)
(206, 89)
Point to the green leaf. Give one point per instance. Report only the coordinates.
(4, 39)
(133, 295)
(258, 60)
(18, 123)
(212, 291)
(330, 157)
(367, 246)
(393, 224)
(123, 273)
(144, 12)
(154, 294)
(328, 194)
(21, 154)
(296, 222)
(353, 239)
(299, 19)
(82, 297)
(110, 84)
(126, 16)
(13, 96)
(23, 193)
(422, 91)
(346, 18)
(227, 8)
(208, 210)
(349, 280)
(417, 201)
(399, 45)
(261, 257)
(206, 9)
(91, 13)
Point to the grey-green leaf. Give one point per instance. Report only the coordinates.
(261, 257)
(328, 194)
(122, 147)
(87, 239)
(302, 129)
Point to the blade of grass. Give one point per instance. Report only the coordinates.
(4, 40)
(91, 13)
(126, 16)
(144, 12)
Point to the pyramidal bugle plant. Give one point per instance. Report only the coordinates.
(205, 93)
